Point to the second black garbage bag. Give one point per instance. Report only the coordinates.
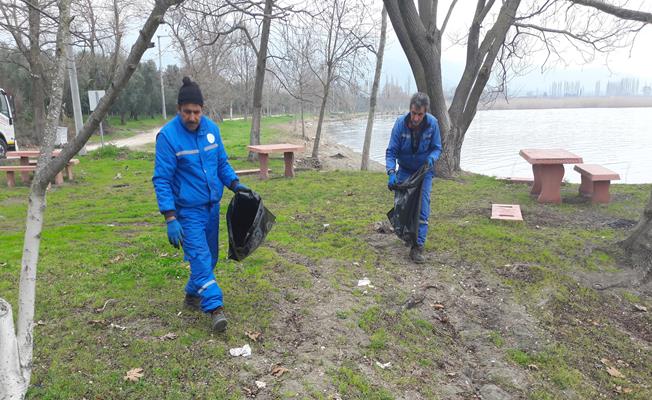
(404, 216)
(248, 222)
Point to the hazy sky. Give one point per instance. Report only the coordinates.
(631, 62)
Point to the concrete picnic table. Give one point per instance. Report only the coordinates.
(24, 156)
(264, 151)
(548, 170)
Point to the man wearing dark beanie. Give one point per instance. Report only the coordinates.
(190, 172)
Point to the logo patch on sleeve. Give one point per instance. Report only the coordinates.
(211, 138)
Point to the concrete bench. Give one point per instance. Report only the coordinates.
(264, 150)
(11, 170)
(595, 181)
(253, 171)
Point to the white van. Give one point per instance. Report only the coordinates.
(7, 124)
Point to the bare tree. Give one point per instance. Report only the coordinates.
(294, 49)
(32, 34)
(16, 348)
(343, 31)
(374, 92)
(498, 48)
(261, 67)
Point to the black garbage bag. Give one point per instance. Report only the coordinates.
(404, 216)
(248, 222)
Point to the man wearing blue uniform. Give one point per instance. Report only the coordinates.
(190, 172)
(415, 141)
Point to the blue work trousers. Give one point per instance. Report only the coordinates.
(403, 175)
(200, 235)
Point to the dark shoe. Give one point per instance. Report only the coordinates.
(192, 302)
(218, 320)
(416, 254)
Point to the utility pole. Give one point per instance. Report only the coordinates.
(74, 93)
(160, 67)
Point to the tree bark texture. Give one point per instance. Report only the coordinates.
(13, 382)
(261, 65)
(620, 12)
(374, 92)
(639, 242)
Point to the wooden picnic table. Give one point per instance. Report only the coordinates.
(25, 156)
(548, 171)
(264, 150)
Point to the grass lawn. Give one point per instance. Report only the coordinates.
(512, 308)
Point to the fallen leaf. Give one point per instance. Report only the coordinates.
(627, 390)
(277, 371)
(40, 322)
(438, 306)
(533, 367)
(4, 264)
(253, 335)
(605, 361)
(641, 308)
(118, 176)
(614, 372)
(96, 322)
(169, 336)
(134, 375)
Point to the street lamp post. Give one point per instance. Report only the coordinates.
(160, 67)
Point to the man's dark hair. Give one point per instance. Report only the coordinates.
(419, 100)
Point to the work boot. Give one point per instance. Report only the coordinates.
(416, 254)
(218, 319)
(192, 302)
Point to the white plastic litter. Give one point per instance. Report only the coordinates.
(261, 384)
(244, 351)
(383, 366)
(364, 282)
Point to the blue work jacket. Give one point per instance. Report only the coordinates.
(400, 144)
(191, 168)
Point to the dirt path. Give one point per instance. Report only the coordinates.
(133, 142)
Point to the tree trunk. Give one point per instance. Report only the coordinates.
(261, 62)
(303, 122)
(374, 93)
(13, 382)
(15, 385)
(37, 72)
(19, 350)
(322, 110)
(639, 242)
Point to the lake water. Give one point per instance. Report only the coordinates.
(618, 138)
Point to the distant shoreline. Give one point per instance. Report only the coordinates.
(525, 103)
